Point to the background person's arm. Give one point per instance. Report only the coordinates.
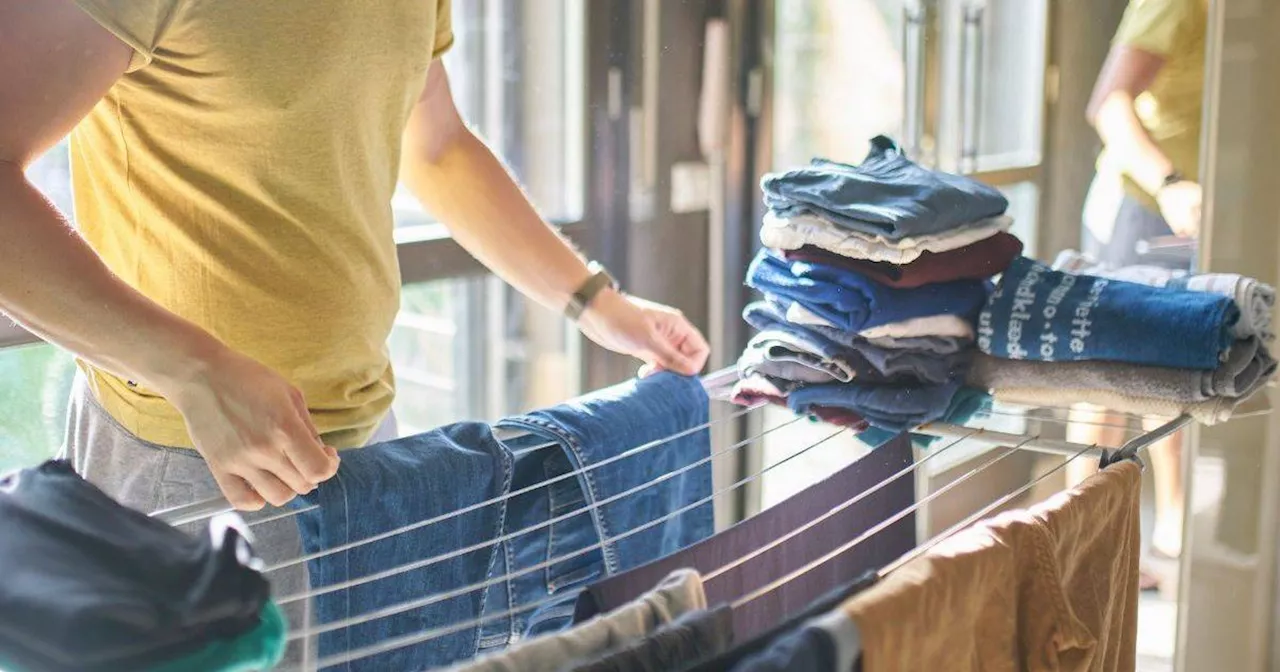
(248, 422)
(1126, 74)
(460, 181)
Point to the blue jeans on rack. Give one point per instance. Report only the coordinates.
(886, 195)
(391, 485)
(853, 302)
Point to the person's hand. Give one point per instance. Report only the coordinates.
(1180, 206)
(658, 335)
(254, 431)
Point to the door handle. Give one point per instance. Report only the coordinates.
(971, 75)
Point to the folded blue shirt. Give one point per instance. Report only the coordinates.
(853, 302)
(886, 195)
(429, 476)
(1045, 315)
(889, 407)
(888, 364)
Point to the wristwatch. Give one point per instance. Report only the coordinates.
(1172, 179)
(596, 283)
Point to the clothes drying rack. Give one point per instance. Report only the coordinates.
(718, 384)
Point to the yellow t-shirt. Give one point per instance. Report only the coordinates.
(1170, 108)
(241, 173)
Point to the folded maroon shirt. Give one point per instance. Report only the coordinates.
(976, 261)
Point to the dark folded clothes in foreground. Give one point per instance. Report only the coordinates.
(886, 195)
(852, 302)
(977, 261)
(1041, 314)
(92, 585)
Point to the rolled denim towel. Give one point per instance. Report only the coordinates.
(1041, 314)
(889, 407)
(886, 195)
(1248, 365)
(1256, 300)
(793, 233)
(890, 364)
(852, 302)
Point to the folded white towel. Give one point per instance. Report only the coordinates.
(796, 232)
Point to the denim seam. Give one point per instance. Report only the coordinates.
(608, 550)
(551, 534)
(511, 589)
(507, 475)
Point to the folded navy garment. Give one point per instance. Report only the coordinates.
(886, 195)
(889, 407)
(853, 302)
(1041, 314)
(93, 586)
(429, 476)
(891, 364)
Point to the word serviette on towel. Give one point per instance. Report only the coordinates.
(1038, 313)
(1255, 299)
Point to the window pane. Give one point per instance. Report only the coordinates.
(35, 382)
(471, 348)
(516, 71)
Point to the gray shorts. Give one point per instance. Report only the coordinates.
(149, 477)
(1116, 226)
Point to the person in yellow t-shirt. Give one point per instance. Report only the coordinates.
(234, 278)
(1144, 204)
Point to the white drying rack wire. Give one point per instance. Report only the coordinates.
(717, 385)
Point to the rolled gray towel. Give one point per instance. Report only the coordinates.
(1248, 366)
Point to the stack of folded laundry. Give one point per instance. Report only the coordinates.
(1167, 344)
(873, 277)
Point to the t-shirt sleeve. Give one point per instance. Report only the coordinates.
(444, 28)
(1154, 26)
(138, 23)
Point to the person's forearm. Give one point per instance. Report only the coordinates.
(472, 193)
(53, 283)
(1129, 144)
